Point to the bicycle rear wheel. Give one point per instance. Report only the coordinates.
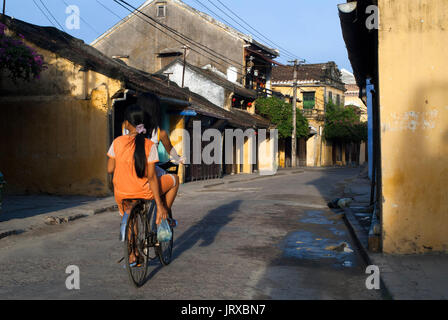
(136, 245)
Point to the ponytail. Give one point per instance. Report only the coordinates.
(140, 155)
(136, 117)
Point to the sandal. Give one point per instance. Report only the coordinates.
(171, 221)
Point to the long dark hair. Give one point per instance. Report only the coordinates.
(135, 116)
(150, 103)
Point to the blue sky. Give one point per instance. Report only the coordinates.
(309, 29)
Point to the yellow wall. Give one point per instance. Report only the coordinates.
(356, 101)
(413, 83)
(55, 130)
(177, 125)
(320, 94)
(319, 151)
(267, 156)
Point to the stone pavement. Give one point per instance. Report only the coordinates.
(21, 213)
(265, 238)
(405, 277)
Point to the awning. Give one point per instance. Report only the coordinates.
(361, 43)
(264, 57)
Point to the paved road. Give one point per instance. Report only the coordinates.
(260, 239)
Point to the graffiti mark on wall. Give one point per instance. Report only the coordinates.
(412, 121)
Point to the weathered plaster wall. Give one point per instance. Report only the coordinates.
(142, 42)
(55, 130)
(413, 81)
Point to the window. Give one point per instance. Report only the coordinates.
(338, 100)
(309, 100)
(330, 96)
(161, 10)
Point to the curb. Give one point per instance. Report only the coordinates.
(361, 241)
(10, 233)
(58, 220)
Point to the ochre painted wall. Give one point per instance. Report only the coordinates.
(55, 130)
(177, 138)
(319, 151)
(413, 69)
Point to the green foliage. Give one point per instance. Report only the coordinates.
(342, 123)
(279, 113)
(20, 60)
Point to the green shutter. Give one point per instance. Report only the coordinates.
(308, 100)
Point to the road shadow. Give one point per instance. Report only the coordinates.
(204, 230)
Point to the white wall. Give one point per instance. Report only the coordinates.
(198, 84)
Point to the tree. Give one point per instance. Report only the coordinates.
(342, 123)
(279, 113)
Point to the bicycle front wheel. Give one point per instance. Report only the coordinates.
(136, 246)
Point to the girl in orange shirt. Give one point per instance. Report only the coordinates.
(132, 159)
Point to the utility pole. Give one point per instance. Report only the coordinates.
(4, 9)
(185, 61)
(294, 119)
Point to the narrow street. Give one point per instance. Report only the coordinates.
(267, 238)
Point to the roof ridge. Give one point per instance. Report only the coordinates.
(229, 29)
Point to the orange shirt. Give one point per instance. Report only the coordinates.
(127, 185)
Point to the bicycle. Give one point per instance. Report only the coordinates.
(141, 236)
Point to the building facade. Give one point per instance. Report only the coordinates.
(317, 84)
(70, 116)
(402, 61)
(176, 30)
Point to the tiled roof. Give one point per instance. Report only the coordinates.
(209, 74)
(77, 51)
(319, 72)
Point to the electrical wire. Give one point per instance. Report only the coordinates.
(201, 46)
(43, 12)
(242, 26)
(184, 37)
(49, 12)
(259, 33)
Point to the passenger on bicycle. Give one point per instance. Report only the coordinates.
(132, 159)
(151, 105)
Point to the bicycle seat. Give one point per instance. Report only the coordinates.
(169, 166)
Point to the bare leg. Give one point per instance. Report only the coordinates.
(170, 196)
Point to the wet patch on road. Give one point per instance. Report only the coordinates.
(316, 217)
(337, 232)
(309, 246)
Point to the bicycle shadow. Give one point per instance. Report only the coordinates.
(206, 230)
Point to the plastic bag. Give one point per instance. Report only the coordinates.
(164, 231)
